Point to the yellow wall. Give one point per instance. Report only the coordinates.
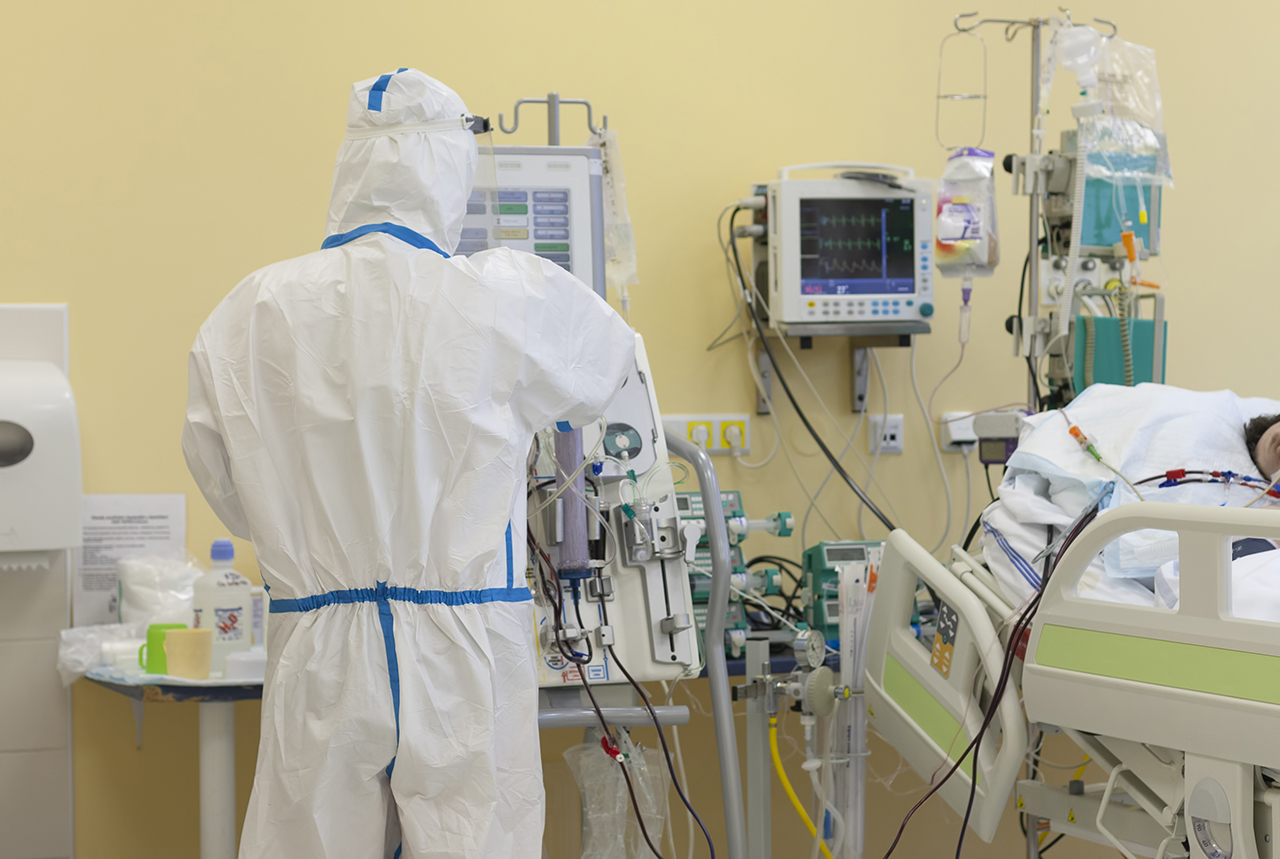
(155, 153)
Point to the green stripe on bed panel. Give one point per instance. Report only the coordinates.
(925, 710)
(1213, 670)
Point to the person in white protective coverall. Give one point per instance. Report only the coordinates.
(363, 414)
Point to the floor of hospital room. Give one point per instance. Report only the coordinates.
(891, 791)
(111, 768)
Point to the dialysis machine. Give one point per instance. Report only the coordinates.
(637, 601)
(630, 595)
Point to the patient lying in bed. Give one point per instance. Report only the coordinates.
(1143, 432)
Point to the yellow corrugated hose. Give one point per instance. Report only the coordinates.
(786, 784)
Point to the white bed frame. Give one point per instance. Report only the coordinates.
(1179, 708)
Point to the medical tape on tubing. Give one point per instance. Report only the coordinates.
(460, 123)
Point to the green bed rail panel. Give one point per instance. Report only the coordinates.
(1175, 664)
(925, 710)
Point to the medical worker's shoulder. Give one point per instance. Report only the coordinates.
(525, 271)
(266, 284)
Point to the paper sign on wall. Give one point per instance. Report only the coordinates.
(120, 526)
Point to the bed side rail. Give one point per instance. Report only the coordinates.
(924, 701)
(1153, 675)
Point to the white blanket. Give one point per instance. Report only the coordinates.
(1255, 586)
(1142, 432)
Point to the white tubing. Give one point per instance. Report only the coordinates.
(851, 730)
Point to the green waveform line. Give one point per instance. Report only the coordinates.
(846, 221)
(849, 244)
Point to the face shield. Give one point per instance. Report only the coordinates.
(477, 226)
(496, 216)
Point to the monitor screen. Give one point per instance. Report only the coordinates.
(857, 246)
(845, 554)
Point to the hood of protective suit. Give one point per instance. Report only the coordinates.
(416, 179)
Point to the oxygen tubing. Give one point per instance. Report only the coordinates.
(786, 784)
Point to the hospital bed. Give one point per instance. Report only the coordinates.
(1180, 709)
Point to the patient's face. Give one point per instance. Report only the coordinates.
(1267, 453)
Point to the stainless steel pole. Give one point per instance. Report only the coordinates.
(1033, 178)
(713, 642)
(553, 119)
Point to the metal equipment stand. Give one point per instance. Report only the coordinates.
(713, 642)
(760, 836)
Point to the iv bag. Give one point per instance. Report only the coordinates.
(1126, 141)
(966, 239)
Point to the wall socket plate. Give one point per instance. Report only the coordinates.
(887, 435)
(711, 432)
(958, 435)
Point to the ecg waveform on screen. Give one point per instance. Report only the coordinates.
(840, 221)
(859, 244)
(844, 241)
(857, 267)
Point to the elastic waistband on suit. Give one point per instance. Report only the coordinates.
(387, 593)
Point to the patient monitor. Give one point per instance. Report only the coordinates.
(852, 249)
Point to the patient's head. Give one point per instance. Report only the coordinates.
(1262, 437)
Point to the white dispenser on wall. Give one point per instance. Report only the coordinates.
(40, 529)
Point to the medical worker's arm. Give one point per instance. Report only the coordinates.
(205, 452)
(578, 351)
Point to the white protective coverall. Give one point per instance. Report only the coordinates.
(363, 414)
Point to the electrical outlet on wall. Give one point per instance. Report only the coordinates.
(713, 433)
(886, 435)
(957, 432)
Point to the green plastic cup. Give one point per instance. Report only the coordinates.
(151, 655)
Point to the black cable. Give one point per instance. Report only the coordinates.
(1007, 669)
(973, 532)
(1031, 364)
(777, 371)
(1045, 849)
(635, 804)
(797, 577)
(773, 559)
(1022, 283)
(986, 468)
(1011, 649)
(662, 737)
(581, 660)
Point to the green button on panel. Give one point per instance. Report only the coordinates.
(550, 246)
(511, 208)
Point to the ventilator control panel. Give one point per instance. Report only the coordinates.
(548, 202)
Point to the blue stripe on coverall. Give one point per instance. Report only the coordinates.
(379, 87)
(404, 234)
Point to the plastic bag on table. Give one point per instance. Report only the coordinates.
(157, 590)
(80, 648)
(968, 243)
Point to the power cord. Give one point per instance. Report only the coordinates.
(764, 341)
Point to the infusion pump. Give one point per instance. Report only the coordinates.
(857, 248)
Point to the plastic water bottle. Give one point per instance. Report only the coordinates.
(224, 603)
